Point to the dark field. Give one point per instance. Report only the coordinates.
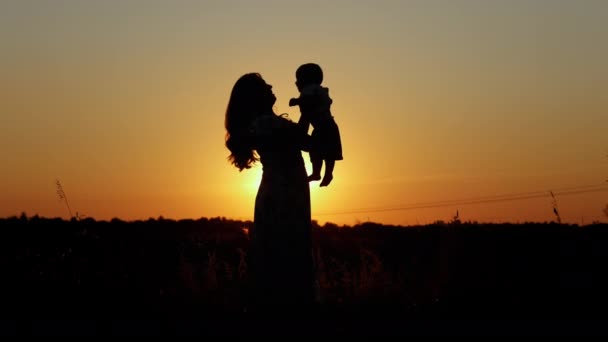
(165, 277)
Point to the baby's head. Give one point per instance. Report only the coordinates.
(308, 74)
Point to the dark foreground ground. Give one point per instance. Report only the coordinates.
(330, 323)
(164, 277)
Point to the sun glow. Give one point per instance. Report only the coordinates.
(251, 181)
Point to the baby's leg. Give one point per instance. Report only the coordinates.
(317, 163)
(329, 172)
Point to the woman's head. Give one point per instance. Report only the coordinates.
(251, 97)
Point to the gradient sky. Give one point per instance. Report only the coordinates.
(124, 102)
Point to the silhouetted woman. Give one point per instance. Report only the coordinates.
(280, 259)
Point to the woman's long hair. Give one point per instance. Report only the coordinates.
(251, 96)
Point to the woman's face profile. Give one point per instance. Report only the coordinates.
(269, 94)
(255, 92)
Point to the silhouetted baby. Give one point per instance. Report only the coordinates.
(315, 103)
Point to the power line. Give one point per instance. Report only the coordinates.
(477, 200)
(493, 197)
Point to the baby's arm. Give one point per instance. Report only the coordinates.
(305, 100)
(304, 122)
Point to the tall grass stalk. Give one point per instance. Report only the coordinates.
(63, 197)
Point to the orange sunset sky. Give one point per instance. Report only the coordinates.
(437, 102)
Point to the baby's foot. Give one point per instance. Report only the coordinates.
(314, 177)
(326, 180)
